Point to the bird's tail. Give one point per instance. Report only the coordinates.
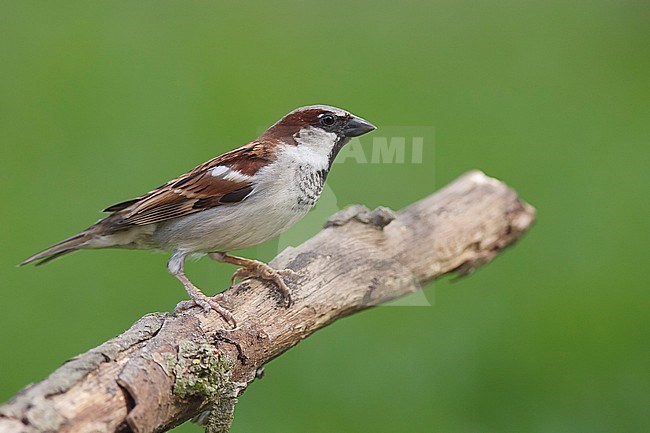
(57, 250)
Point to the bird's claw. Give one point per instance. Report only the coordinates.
(289, 274)
(208, 305)
(265, 272)
(240, 274)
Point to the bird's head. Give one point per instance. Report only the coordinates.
(319, 128)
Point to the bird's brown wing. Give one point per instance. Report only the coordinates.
(224, 179)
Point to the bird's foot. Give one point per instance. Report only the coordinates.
(265, 272)
(208, 304)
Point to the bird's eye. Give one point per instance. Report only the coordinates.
(327, 120)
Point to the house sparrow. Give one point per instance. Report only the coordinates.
(236, 200)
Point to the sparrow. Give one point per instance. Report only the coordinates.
(236, 200)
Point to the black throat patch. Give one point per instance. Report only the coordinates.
(342, 141)
(310, 185)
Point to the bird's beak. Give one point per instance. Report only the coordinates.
(357, 126)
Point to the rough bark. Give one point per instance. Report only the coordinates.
(169, 368)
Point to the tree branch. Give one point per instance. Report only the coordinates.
(167, 368)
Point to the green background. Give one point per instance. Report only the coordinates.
(101, 101)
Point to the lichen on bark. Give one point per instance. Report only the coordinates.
(200, 370)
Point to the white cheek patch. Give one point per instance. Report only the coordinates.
(227, 173)
(314, 135)
(317, 140)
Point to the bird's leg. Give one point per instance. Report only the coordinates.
(255, 268)
(176, 266)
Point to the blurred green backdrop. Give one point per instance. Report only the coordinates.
(102, 100)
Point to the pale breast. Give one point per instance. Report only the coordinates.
(284, 193)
